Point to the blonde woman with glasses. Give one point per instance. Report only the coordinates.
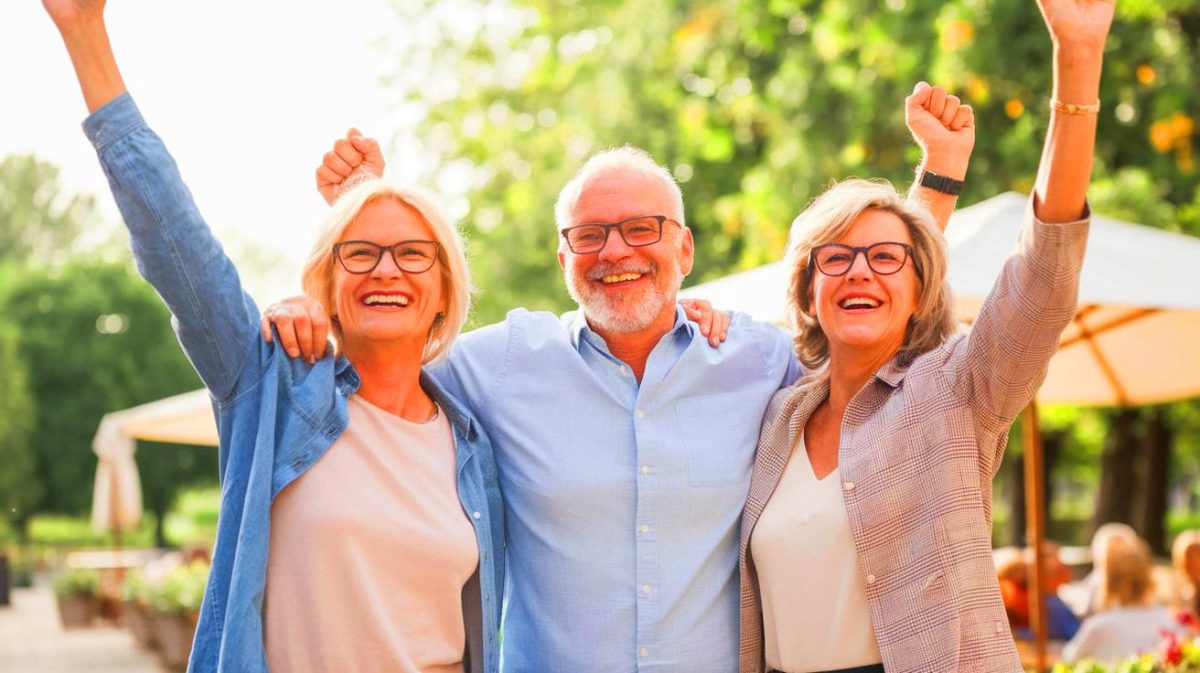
(360, 525)
(866, 538)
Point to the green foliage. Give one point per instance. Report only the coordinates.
(96, 339)
(78, 582)
(136, 588)
(181, 591)
(757, 106)
(39, 225)
(19, 490)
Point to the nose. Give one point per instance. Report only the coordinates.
(860, 269)
(386, 268)
(615, 247)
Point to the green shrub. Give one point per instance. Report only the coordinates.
(181, 590)
(136, 588)
(78, 582)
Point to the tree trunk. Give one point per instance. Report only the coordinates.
(1153, 503)
(160, 535)
(1118, 471)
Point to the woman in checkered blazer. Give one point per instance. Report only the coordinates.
(866, 538)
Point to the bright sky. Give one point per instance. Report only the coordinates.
(247, 96)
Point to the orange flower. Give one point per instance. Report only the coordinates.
(1145, 74)
(1014, 108)
(956, 35)
(1162, 136)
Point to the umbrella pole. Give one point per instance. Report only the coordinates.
(1035, 530)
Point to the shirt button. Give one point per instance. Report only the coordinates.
(639, 413)
(870, 579)
(645, 528)
(849, 486)
(999, 628)
(476, 515)
(645, 652)
(624, 371)
(645, 588)
(645, 469)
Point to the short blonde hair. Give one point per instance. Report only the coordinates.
(627, 159)
(317, 277)
(827, 219)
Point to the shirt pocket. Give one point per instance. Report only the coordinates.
(719, 434)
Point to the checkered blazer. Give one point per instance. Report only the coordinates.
(919, 447)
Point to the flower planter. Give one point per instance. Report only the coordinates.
(139, 620)
(174, 635)
(77, 611)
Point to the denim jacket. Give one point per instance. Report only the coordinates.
(275, 416)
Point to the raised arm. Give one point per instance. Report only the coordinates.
(1078, 29)
(172, 245)
(81, 25)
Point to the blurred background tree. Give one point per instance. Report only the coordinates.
(83, 336)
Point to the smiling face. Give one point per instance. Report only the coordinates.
(863, 310)
(387, 304)
(627, 289)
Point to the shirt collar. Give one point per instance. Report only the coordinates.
(578, 328)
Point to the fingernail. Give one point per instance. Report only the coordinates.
(293, 352)
(311, 360)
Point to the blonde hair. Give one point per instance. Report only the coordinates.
(317, 277)
(1127, 579)
(826, 219)
(625, 159)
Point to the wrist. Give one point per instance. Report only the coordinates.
(949, 166)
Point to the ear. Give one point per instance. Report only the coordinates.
(562, 259)
(687, 252)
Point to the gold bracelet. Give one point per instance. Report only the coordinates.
(1074, 108)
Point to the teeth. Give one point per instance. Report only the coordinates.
(620, 277)
(400, 300)
(855, 302)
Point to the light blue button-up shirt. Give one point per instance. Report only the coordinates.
(622, 501)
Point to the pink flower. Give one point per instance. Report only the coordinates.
(1187, 619)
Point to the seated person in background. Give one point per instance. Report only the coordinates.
(1013, 571)
(1185, 557)
(1128, 622)
(1085, 594)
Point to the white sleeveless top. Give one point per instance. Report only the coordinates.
(815, 612)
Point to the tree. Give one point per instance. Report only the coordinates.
(756, 107)
(19, 490)
(39, 225)
(96, 339)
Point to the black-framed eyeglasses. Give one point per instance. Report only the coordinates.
(409, 256)
(635, 231)
(884, 258)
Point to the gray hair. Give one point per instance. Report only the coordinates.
(626, 159)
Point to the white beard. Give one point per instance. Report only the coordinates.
(629, 312)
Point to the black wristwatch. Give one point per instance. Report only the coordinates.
(941, 183)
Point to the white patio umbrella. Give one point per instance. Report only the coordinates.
(182, 419)
(1135, 338)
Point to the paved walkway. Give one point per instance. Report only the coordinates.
(33, 641)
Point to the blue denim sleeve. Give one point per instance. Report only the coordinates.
(217, 322)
